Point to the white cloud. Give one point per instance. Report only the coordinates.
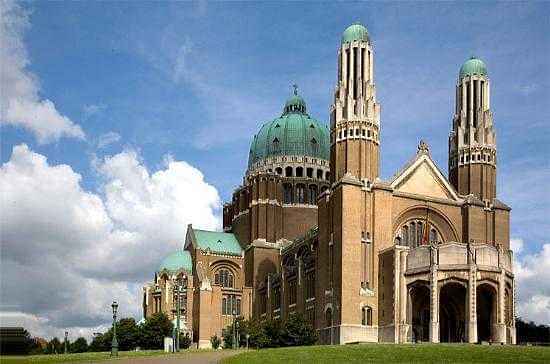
(67, 252)
(107, 139)
(532, 289)
(21, 103)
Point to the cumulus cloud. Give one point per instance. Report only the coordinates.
(533, 292)
(68, 252)
(21, 103)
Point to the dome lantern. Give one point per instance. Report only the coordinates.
(294, 133)
(355, 32)
(473, 66)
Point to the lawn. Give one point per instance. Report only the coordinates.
(71, 358)
(389, 353)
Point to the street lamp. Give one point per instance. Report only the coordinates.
(66, 334)
(179, 288)
(234, 329)
(114, 344)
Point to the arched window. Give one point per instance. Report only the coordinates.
(276, 145)
(327, 175)
(299, 172)
(328, 318)
(412, 235)
(287, 193)
(405, 235)
(419, 232)
(224, 306)
(279, 170)
(312, 194)
(366, 316)
(309, 173)
(224, 278)
(288, 172)
(314, 146)
(319, 174)
(433, 235)
(300, 193)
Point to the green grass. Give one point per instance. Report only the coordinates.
(389, 353)
(83, 357)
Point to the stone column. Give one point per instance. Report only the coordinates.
(471, 319)
(434, 305)
(500, 327)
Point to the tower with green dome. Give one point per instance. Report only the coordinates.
(355, 113)
(472, 141)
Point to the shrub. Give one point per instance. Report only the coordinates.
(298, 332)
(185, 341)
(215, 341)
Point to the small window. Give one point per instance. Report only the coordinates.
(299, 172)
(363, 132)
(366, 316)
(319, 174)
(279, 170)
(309, 172)
(288, 172)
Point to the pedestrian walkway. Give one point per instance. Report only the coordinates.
(190, 357)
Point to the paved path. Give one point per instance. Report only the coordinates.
(194, 357)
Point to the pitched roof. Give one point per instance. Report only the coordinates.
(422, 176)
(217, 242)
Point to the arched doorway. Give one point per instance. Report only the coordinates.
(420, 312)
(486, 311)
(452, 312)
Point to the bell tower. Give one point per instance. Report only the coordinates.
(355, 114)
(472, 141)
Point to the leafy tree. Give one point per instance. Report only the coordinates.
(54, 347)
(127, 333)
(531, 332)
(99, 343)
(153, 331)
(297, 332)
(215, 341)
(80, 345)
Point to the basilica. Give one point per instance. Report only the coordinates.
(314, 230)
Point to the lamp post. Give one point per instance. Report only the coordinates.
(234, 329)
(179, 291)
(66, 335)
(114, 344)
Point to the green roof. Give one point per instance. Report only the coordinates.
(473, 66)
(355, 32)
(293, 133)
(224, 243)
(176, 261)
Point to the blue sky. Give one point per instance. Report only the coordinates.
(196, 80)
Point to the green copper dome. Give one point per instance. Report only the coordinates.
(473, 66)
(355, 32)
(293, 133)
(176, 261)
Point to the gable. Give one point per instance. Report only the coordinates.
(422, 177)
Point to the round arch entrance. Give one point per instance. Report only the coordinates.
(486, 311)
(452, 312)
(420, 312)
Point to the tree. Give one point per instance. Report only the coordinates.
(531, 332)
(153, 331)
(297, 331)
(127, 333)
(80, 345)
(54, 347)
(99, 343)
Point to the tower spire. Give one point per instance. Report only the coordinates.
(472, 141)
(355, 114)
